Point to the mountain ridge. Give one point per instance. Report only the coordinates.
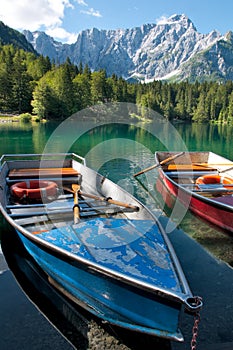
(171, 50)
(11, 36)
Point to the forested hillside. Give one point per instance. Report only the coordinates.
(11, 36)
(34, 84)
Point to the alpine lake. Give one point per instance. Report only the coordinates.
(119, 150)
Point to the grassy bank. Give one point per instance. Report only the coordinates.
(9, 118)
(25, 118)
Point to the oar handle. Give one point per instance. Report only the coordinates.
(223, 171)
(169, 159)
(147, 169)
(109, 200)
(76, 189)
(209, 166)
(104, 199)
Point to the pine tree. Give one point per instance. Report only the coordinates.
(98, 86)
(200, 114)
(21, 91)
(41, 100)
(230, 109)
(82, 90)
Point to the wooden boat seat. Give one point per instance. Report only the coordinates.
(189, 174)
(32, 173)
(187, 167)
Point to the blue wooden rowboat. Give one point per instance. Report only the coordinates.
(98, 245)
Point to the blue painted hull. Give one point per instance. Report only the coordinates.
(114, 258)
(111, 299)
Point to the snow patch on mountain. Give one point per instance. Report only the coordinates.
(152, 51)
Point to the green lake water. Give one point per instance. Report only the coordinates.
(119, 150)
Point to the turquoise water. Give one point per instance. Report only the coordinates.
(32, 137)
(119, 150)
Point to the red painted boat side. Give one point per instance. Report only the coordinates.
(210, 210)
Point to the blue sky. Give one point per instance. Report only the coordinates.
(64, 19)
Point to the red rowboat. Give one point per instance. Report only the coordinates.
(202, 181)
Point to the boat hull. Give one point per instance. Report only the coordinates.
(211, 210)
(113, 257)
(109, 299)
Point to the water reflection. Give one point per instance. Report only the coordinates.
(22, 137)
(32, 137)
(208, 137)
(215, 240)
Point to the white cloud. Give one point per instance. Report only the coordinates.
(92, 12)
(162, 20)
(27, 15)
(82, 2)
(62, 35)
(45, 15)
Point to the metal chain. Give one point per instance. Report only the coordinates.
(197, 319)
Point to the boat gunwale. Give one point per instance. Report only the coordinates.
(42, 156)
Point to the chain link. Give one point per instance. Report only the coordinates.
(197, 319)
(195, 332)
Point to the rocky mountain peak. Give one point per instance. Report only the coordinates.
(152, 51)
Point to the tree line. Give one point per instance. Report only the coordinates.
(33, 84)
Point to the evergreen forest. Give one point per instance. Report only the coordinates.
(33, 84)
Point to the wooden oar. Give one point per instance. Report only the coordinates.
(210, 166)
(167, 160)
(104, 199)
(76, 189)
(213, 164)
(110, 200)
(228, 169)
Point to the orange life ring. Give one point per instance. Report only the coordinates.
(34, 189)
(215, 180)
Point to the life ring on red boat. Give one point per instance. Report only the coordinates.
(34, 189)
(215, 180)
